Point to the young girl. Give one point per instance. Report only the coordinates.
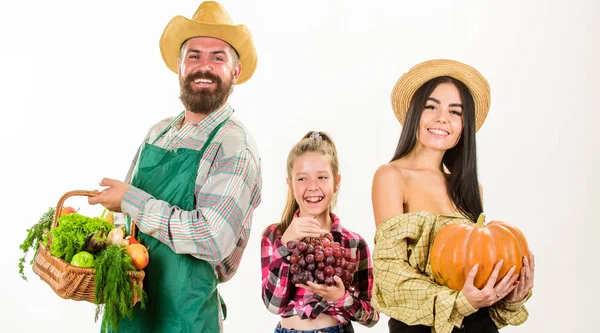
(313, 181)
(431, 182)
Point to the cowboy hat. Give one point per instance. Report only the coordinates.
(409, 82)
(210, 20)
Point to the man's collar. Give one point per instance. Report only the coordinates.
(212, 119)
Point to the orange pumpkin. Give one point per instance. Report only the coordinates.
(458, 247)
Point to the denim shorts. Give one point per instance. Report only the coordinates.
(339, 328)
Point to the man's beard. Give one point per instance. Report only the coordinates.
(203, 100)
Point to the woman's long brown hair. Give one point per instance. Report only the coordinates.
(461, 161)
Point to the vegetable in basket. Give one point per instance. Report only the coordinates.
(36, 234)
(96, 242)
(139, 255)
(39, 232)
(83, 259)
(71, 233)
(117, 237)
(113, 287)
(131, 240)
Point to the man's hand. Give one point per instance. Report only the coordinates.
(112, 196)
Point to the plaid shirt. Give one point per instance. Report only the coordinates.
(228, 189)
(404, 288)
(282, 297)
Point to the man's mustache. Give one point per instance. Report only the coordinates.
(199, 75)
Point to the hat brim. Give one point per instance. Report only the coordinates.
(180, 29)
(409, 82)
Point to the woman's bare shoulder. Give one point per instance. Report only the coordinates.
(391, 173)
(388, 192)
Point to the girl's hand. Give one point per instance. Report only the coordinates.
(492, 292)
(302, 227)
(525, 283)
(328, 293)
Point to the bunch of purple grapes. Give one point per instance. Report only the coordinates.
(318, 260)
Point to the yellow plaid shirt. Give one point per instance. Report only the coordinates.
(404, 288)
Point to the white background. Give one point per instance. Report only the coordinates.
(81, 82)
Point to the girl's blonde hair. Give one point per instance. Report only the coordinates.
(318, 142)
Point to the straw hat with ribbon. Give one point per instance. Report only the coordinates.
(412, 80)
(210, 20)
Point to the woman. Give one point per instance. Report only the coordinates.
(431, 182)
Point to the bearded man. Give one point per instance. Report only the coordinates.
(195, 181)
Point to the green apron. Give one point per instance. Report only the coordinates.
(182, 290)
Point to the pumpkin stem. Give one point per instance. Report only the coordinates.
(480, 220)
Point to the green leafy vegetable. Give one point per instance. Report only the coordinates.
(72, 232)
(35, 234)
(114, 288)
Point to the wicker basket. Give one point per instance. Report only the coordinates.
(68, 281)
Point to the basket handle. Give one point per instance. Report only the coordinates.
(132, 229)
(62, 199)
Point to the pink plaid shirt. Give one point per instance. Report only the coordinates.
(282, 297)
